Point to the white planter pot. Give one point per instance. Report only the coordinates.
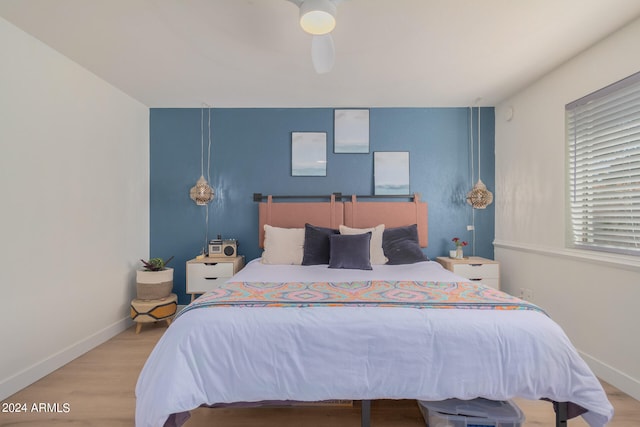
(154, 284)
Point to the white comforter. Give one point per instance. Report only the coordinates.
(233, 354)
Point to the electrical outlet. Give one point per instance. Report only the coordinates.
(470, 227)
(526, 294)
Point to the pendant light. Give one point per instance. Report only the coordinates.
(479, 197)
(202, 193)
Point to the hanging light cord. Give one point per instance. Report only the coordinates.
(206, 221)
(201, 141)
(479, 143)
(479, 197)
(209, 149)
(473, 173)
(474, 211)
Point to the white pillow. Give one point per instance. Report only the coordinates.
(376, 253)
(283, 245)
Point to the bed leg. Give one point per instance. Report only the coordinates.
(561, 413)
(365, 414)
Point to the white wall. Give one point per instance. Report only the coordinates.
(592, 296)
(74, 189)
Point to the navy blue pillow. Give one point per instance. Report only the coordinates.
(350, 251)
(401, 245)
(316, 244)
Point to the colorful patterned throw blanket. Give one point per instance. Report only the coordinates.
(376, 293)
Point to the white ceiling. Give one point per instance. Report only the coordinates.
(252, 53)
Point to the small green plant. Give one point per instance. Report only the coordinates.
(156, 264)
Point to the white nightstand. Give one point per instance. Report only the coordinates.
(207, 273)
(474, 268)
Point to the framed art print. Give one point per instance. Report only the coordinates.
(391, 172)
(351, 131)
(308, 154)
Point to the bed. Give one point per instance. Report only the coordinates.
(279, 331)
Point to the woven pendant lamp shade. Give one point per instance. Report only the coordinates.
(201, 193)
(479, 197)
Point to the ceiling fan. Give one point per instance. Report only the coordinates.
(318, 18)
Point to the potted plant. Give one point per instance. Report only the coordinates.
(155, 279)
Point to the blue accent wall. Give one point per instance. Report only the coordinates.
(251, 153)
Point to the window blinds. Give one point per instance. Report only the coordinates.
(603, 137)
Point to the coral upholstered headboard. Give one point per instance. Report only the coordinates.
(353, 214)
(296, 214)
(391, 214)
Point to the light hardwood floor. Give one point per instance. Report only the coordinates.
(98, 388)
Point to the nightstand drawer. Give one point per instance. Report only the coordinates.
(474, 269)
(205, 274)
(493, 283)
(210, 269)
(477, 271)
(200, 285)
(202, 277)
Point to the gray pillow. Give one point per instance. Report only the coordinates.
(316, 244)
(401, 245)
(350, 251)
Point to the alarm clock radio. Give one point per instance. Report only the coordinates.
(220, 248)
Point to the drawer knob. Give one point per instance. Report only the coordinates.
(210, 278)
(210, 263)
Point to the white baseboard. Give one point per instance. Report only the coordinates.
(619, 380)
(33, 373)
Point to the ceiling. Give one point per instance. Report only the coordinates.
(252, 53)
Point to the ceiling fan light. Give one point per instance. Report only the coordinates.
(318, 17)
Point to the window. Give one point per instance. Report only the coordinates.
(603, 138)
